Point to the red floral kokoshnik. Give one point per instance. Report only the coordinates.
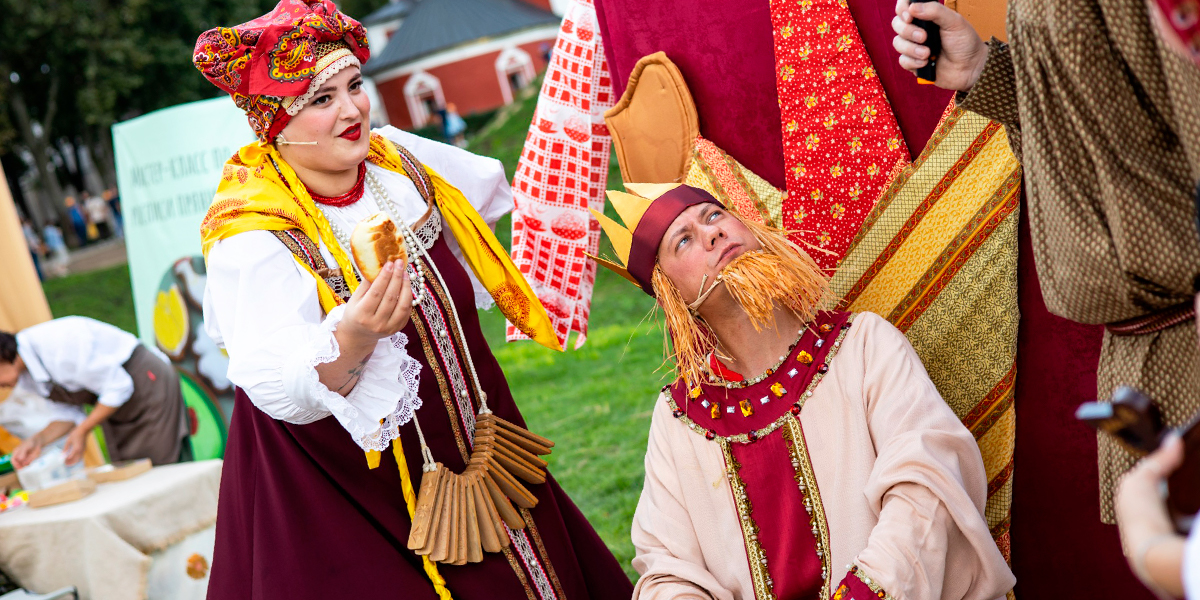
(263, 61)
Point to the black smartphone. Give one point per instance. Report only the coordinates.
(1136, 422)
(933, 41)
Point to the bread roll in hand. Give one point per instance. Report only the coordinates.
(374, 243)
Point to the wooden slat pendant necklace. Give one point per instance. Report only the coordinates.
(459, 516)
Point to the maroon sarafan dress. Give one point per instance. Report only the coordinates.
(301, 516)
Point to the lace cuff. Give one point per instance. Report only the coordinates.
(384, 398)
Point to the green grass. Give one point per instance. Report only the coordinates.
(595, 403)
(103, 295)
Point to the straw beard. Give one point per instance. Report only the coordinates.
(780, 274)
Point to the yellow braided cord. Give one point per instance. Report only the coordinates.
(410, 499)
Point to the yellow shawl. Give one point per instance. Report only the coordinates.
(260, 192)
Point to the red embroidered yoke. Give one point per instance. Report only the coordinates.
(757, 426)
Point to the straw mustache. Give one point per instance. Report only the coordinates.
(779, 275)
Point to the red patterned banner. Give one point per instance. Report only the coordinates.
(562, 173)
(841, 143)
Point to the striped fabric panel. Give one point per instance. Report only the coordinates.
(937, 257)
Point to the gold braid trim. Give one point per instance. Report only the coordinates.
(520, 571)
(806, 480)
(541, 548)
(763, 585)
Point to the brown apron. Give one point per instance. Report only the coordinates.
(152, 423)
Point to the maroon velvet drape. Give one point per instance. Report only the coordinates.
(726, 53)
(1060, 548)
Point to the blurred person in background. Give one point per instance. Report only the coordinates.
(78, 221)
(114, 209)
(36, 248)
(97, 210)
(57, 255)
(454, 126)
(133, 391)
(40, 423)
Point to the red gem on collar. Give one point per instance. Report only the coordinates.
(354, 195)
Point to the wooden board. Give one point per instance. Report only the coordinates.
(8, 481)
(63, 492)
(119, 471)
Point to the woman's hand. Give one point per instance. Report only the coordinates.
(27, 452)
(74, 446)
(963, 53)
(377, 309)
(1152, 548)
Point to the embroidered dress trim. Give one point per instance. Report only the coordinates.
(763, 585)
(806, 480)
(446, 330)
(443, 384)
(306, 250)
(516, 567)
(440, 327)
(533, 566)
(541, 548)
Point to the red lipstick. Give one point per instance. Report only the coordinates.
(352, 132)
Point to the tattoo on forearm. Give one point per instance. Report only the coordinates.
(355, 373)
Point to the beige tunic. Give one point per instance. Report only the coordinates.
(1106, 121)
(900, 479)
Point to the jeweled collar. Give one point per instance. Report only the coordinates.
(746, 414)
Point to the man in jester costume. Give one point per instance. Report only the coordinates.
(800, 453)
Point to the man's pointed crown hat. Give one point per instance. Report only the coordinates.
(647, 212)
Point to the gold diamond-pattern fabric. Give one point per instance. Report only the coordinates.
(937, 257)
(1106, 120)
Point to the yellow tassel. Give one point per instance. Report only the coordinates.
(410, 500)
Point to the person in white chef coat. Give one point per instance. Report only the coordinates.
(133, 391)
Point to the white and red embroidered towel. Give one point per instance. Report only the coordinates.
(562, 173)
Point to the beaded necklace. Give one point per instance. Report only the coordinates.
(350, 197)
(477, 504)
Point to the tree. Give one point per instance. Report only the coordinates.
(69, 69)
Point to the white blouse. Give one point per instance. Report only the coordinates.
(77, 353)
(262, 306)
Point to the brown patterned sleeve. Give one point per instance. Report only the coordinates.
(995, 94)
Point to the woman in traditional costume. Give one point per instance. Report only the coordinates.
(319, 507)
(801, 454)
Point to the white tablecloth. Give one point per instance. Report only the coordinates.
(103, 544)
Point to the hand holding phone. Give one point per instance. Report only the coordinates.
(933, 41)
(1136, 423)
